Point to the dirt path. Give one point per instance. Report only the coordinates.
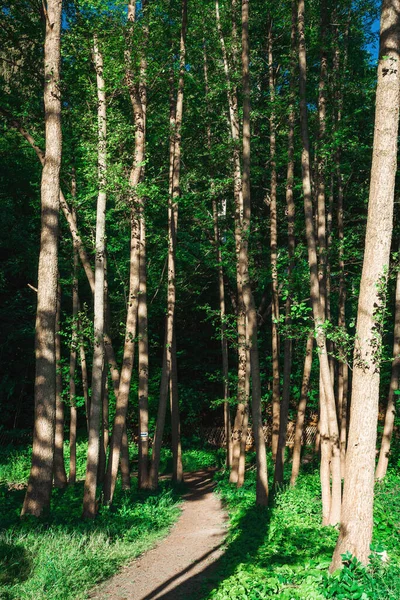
(173, 569)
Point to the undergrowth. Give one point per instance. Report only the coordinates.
(284, 552)
(60, 557)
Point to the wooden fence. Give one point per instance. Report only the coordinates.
(215, 436)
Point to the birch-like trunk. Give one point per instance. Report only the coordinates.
(358, 495)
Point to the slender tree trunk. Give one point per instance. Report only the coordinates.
(176, 114)
(124, 461)
(394, 386)
(89, 498)
(326, 450)
(242, 406)
(274, 256)
(343, 370)
(37, 498)
(85, 385)
(245, 423)
(261, 459)
(72, 365)
(177, 468)
(143, 349)
(301, 411)
(221, 287)
(122, 398)
(138, 101)
(290, 207)
(318, 311)
(357, 519)
(60, 476)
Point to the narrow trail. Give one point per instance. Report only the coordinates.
(173, 569)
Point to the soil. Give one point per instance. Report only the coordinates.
(181, 564)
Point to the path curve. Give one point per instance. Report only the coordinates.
(173, 569)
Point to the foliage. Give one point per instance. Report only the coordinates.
(60, 556)
(284, 552)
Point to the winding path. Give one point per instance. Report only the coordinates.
(174, 569)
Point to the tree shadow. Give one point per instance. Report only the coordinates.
(15, 564)
(253, 527)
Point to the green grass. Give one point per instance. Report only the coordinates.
(61, 557)
(284, 552)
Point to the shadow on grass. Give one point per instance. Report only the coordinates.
(259, 539)
(253, 527)
(132, 510)
(15, 564)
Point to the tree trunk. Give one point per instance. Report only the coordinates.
(177, 468)
(290, 207)
(261, 459)
(72, 366)
(357, 519)
(245, 422)
(242, 406)
(37, 498)
(221, 287)
(60, 476)
(124, 461)
(318, 310)
(85, 385)
(274, 258)
(176, 114)
(343, 370)
(301, 411)
(143, 350)
(89, 498)
(394, 386)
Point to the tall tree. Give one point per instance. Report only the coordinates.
(358, 495)
(37, 498)
(176, 115)
(332, 503)
(251, 315)
(89, 499)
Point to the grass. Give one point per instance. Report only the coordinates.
(284, 552)
(61, 557)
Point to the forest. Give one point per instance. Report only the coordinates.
(199, 299)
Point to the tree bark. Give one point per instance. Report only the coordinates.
(221, 286)
(290, 207)
(261, 459)
(37, 498)
(60, 476)
(301, 411)
(394, 386)
(242, 406)
(357, 519)
(274, 257)
(72, 366)
(318, 311)
(176, 114)
(89, 498)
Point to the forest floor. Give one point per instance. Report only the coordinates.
(174, 569)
